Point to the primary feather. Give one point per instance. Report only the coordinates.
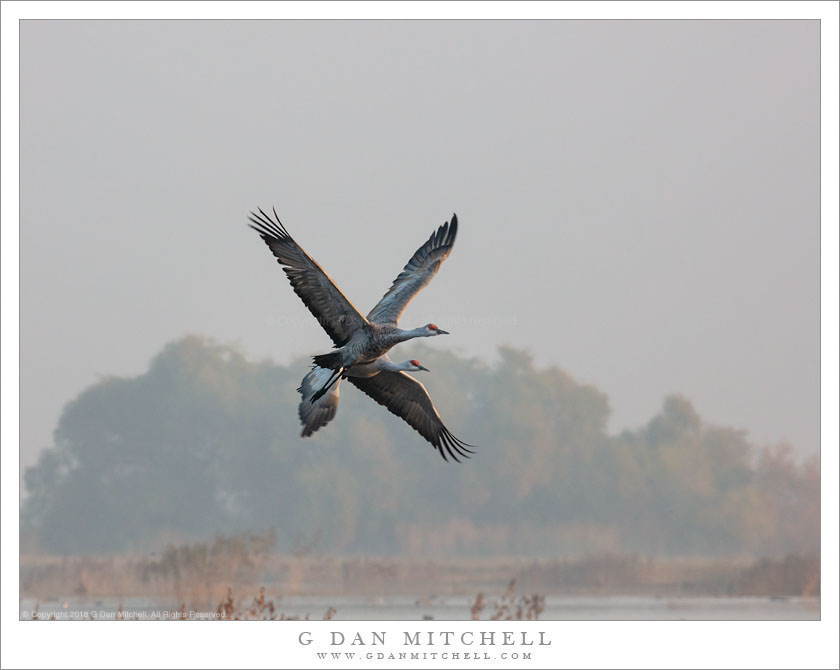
(408, 399)
(363, 341)
(336, 314)
(416, 274)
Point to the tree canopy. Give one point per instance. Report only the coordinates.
(207, 441)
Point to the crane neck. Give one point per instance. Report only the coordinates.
(403, 335)
(393, 367)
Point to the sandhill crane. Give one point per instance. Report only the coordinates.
(357, 339)
(318, 413)
(363, 340)
(387, 383)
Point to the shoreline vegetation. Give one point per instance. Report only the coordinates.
(157, 486)
(186, 576)
(207, 442)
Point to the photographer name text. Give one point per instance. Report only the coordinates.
(430, 638)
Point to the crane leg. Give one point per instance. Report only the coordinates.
(336, 375)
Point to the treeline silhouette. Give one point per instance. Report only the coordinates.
(207, 442)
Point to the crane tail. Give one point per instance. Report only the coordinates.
(330, 361)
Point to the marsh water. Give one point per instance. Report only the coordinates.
(574, 608)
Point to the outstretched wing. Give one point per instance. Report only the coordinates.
(328, 304)
(418, 272)
(315, 415)
(406, 397)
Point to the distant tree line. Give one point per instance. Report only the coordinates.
(207, 441)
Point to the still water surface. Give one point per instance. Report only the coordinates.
(577, 608)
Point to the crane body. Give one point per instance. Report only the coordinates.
(362, 342)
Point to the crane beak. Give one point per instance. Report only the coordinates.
(422, 368)
(441, 331)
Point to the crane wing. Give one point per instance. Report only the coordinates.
(328, 304)
(418, 272)
(315, 415)
(406, 397)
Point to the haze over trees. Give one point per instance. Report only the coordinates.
(207, 442)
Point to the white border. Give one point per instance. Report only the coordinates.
(575, 644)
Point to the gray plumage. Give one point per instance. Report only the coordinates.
(416, 274)
(336, 314)
(317, 414)
(362, 341)
(357, 339)
(408, 399)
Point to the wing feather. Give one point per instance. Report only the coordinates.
(417, 273)
(336, 314)
(406, 397)
(315, 415)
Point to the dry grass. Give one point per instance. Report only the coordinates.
(200, 572)
(259, 610)
(794, 575)
(200, 575)
(509, 607)
(197, 573)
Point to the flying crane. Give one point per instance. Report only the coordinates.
(361, 343)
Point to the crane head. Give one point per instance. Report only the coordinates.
(432, 329)
(416, 367)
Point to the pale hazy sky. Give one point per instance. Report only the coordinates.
(639, 201)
